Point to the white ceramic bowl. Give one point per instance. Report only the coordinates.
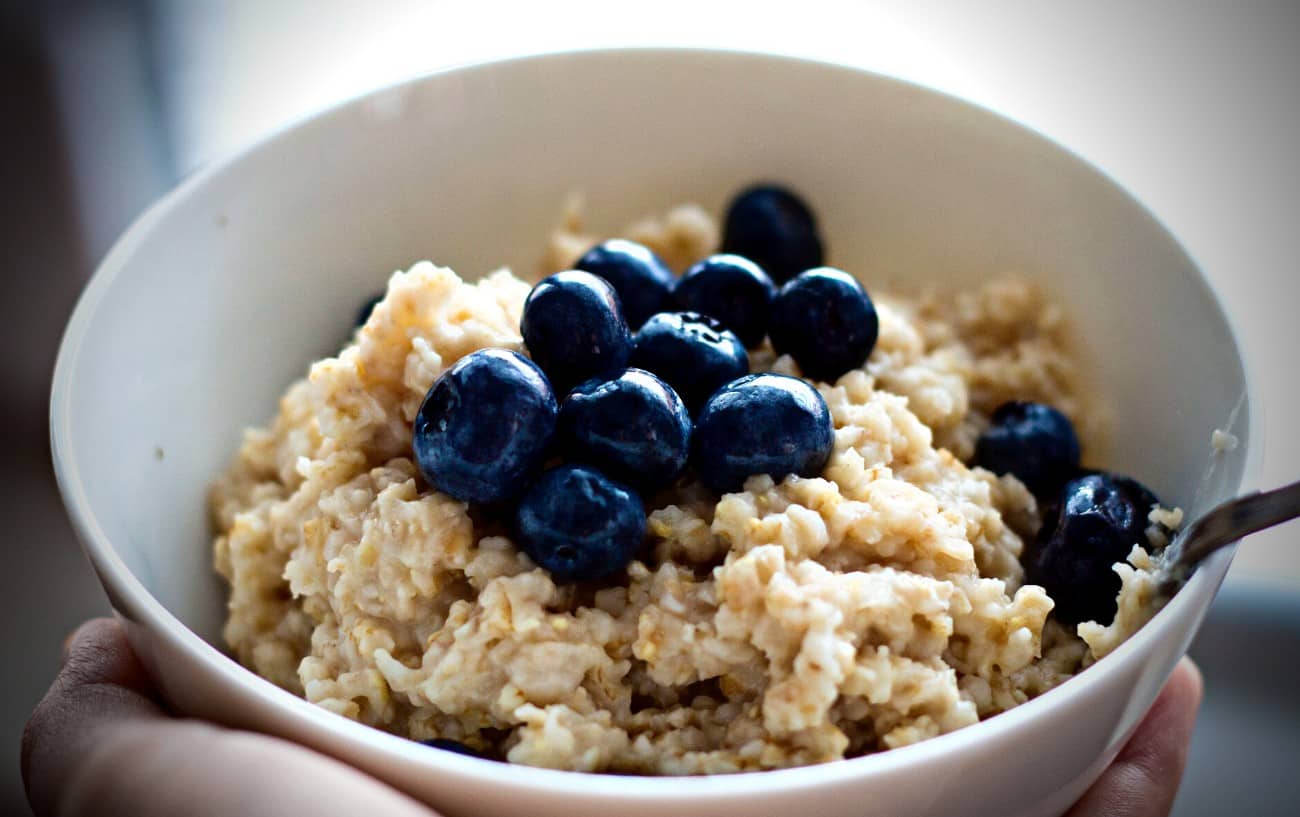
(222, 293)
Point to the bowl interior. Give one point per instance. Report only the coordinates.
(222, 294)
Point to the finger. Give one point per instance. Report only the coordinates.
(1144, 778)
(98, 652)
(98, 744)
(101, 682)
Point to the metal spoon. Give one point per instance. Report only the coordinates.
(1223, 525)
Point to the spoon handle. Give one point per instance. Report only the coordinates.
(1231, 521)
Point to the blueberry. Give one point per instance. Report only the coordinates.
(634, 427)
(761, 424)
(693, 353)
(1096, 521)
(1034, 441)
(485, 426)
(644, 283)
(773, 226)
(732, 289)
(580, 525)
(449, 745)
(574, 329)
(824, 319)
(363, 314)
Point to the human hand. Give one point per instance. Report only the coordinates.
(100, 743)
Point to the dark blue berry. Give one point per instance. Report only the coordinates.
(485, 426)
(732, 289)
(1034, 441)
(574, 329)
(693, 353)
(644, 283)
(761, 424)
(634, 428)
(363, 314)
(449, 745)
(580, 525)
(1096, 521)
(824, 319)
(773, 227)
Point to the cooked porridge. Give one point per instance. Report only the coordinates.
(791, 622)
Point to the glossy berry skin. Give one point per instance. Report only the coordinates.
(574, 329)
(363, 314)
(824, 319)
(633, 427)
(774, 228)
(761, 424)
(693, 353)
(485, 426)
(644, 283)
(580, 525)
(1035, 442)
(449, 745)
(1096, 521)
(732, 289)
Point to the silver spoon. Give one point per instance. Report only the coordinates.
(1223, 525)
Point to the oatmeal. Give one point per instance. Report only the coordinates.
(790, 622)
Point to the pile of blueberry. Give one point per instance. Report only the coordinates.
(1092, 519)
(633, 376)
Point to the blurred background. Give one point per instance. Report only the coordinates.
(104, 106)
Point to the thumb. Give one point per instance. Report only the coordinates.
(99, 743)
(1143, 780)
(101, 682)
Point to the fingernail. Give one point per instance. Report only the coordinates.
(1193, 671)
(67, 644)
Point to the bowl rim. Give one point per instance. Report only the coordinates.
(136, 603)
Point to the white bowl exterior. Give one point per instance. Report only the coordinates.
(223, 293)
